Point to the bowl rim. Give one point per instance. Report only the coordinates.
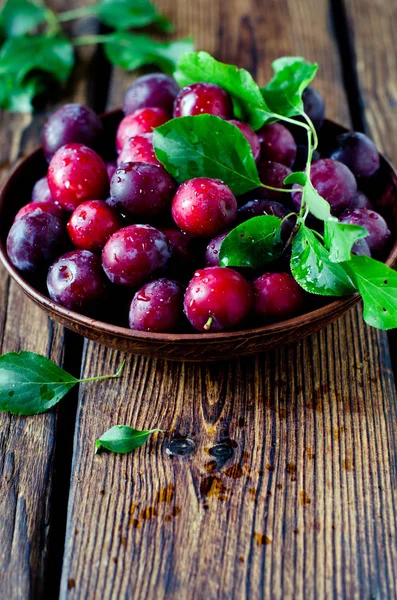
(317, 314)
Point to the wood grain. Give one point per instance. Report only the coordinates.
(27, 445)
(277, 476)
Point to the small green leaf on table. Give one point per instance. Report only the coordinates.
(283, 94)
(122, 439)
(339, 238)
(246, 95)
(313, 269)
(31, 384)
(131, 51)
(206, 146)
(254, 243)
(377, 284)
(17, 17)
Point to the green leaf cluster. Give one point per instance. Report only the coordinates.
(207, 146)
(31, 60)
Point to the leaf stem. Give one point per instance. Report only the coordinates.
(77, 13)
(101, 377)
(276, 189)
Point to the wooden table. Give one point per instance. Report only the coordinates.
(278, 476)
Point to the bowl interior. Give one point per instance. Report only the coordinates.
(17, 190)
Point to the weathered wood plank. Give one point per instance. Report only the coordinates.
(277, 478)
(28, 445)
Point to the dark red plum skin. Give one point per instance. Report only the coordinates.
(258, 208)
(77, 173)
(333, 181)
(213, 250)
(204, 207)
(69, 124)
(217, 299)
(41, 191)
(46, 206)
(92, 224)
(273, 174)
(203, 98)
(76, 280)
(157, 306)
(277, 144)
(141, 190)
(35, 240)
(143, 120)
(277, 296)
(138, 149)
(155, 89)
(133, 254)
(358, 152)
(374, 223)
(250, 136)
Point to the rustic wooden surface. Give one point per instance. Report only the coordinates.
(277, 477)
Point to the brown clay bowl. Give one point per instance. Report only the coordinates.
(183, 346)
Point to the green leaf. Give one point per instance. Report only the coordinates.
(283, 94)
(127, 14)
(206, 146)
(253, 243)
(20, 56)
(312, 268)
(317, 205)
(377, 284)
(31, 384)
(339, 238)
(18, 97)
(17, 17)
(131, 51)
(298, 177)
(122, 439)
(248, 101)
(23, 60)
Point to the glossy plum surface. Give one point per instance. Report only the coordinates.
(75, 174)
(141, 190)
(47, 207)
(138, 149)
(213, 249)
(333, 181)
(204, 207)
(35, 240)
(91, 225)
(133, 254)
(143, 120)
(250, 136)
(217, 298)
(155, 90)
(374, 223)
(273, 174)
(203, 98)
(277, 144)
(72, 123)
(76, 280)
(358, 152)
(157, 306)
(41, 191)
(277, 296)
